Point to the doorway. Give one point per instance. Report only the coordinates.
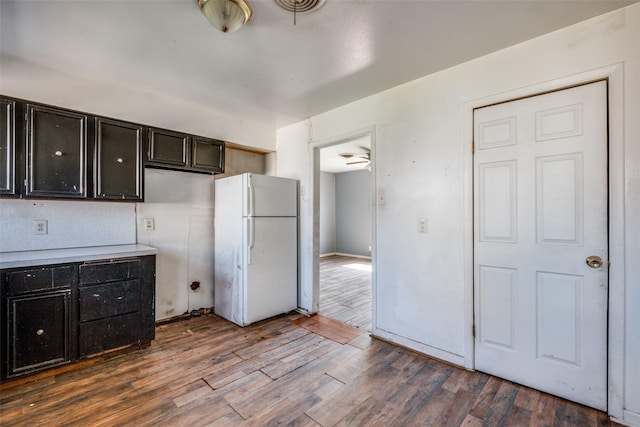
(541, 242)
(344, 239)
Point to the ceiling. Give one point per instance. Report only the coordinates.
(270, 70)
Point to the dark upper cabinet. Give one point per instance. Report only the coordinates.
(168, 148)
(207, 154)
(7, 147)
(118, 160)
(49, 152)
(56, 153)
(174, 150)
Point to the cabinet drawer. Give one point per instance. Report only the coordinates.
(113, 299)
(38, 279)
(109, 272)
(112, 332)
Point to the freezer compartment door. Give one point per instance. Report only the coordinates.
(270, 196)
(271, 285)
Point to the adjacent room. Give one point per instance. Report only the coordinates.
(345, 232)
(320, 212)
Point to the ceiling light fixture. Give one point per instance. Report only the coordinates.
(226, 15)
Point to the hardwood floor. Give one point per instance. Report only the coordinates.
(345, 290)
(207, 371)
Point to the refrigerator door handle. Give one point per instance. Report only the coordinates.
(252, 232)
(251, 197)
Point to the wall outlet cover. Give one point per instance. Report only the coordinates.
(40, 226)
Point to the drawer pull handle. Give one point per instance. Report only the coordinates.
(119, 160)
(40, 332)
(29, 275)
(120, 298)
(96, 295)
(58, 153)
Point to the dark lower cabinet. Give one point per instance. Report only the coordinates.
(58, 314)
(112, 332)
(38, 331)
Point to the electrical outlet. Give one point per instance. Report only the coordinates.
(149, 224)
(40, 226)
(422, 225)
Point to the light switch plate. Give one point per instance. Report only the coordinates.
(422, 225)
(149, 224)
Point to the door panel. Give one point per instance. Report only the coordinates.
(540, 209)
(497, 192)
(559, 199)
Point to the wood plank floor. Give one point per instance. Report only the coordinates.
(345, 290)
(207, 371)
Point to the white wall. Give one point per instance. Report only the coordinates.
(327, 213)
(420, 167)
(353, 212)
(181, 205)
(34, 83)
(104, 223)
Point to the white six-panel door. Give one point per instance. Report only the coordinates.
(540, 210)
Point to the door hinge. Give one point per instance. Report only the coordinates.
(473, 147)
(473, 330)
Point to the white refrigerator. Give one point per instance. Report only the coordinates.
(256, 247)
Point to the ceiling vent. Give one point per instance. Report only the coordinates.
(298, 6)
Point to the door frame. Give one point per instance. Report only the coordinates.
(314, 185)
(615, 346)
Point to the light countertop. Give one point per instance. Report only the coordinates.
(59, 256)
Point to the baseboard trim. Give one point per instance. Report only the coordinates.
(343, 254)
(187, 315)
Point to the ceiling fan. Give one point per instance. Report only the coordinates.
(357, 158)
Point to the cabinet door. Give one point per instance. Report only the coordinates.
(118, 160)
(7, 147)
(167, 148)
(38, 331)
(56, 153)
(207, 155)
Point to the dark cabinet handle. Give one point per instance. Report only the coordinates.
(120, 298)
(96, 295)
(40, 332)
